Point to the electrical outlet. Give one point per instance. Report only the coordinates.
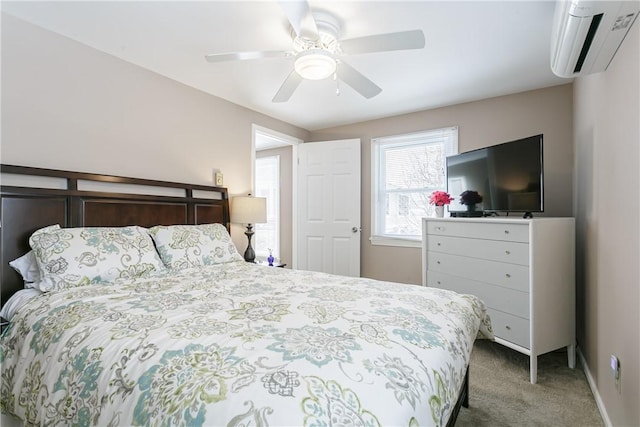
(615, 370)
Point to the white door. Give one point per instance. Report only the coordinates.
(329, 207)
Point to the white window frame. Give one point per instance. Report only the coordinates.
(434, 136)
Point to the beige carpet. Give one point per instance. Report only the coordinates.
(501, 394)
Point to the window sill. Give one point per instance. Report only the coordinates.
(405, 242)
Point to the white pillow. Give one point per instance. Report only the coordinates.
(184, 246)
(71, 257)
(27, 266)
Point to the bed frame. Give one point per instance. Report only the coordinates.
(463, 400)
(78, 199)
(25, 208)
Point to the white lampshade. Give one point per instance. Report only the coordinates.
(249, 210)
(315, 64)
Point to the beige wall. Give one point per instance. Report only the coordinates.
(68, 106)
(481, 123)
(607, 135)
(286, 206)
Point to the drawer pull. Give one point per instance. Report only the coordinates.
(438, 282)
(508, 275)
(507, 252)
(439, 244)
(506, 231)
(508, 328)
(437, 262)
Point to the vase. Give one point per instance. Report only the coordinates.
(471, 207)
(270, 259)
(439, 210)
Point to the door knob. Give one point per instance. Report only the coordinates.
(355, 229)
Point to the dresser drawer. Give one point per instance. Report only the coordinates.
(486, 230)
(511, 276)
(510, 328)
(512, 252)
(496, 297)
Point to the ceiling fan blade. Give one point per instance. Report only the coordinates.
(299, 14)
(240, 56)
(413, 39)
(289, 86)
(357, 80)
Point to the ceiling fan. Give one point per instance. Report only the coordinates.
(318, 51)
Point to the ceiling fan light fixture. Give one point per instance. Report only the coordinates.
(315, 64)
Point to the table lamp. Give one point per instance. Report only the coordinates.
(249, 210)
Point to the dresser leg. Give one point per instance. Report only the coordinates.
(571, 355)
(533, 369)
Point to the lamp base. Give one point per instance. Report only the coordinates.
(249, 254)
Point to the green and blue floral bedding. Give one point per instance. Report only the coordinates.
(238, 344)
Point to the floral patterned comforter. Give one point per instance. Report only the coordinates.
(238, 345)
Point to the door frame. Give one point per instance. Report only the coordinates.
(293, 142)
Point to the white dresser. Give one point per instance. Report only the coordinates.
(523, 269)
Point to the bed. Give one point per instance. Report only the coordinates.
(155, 319)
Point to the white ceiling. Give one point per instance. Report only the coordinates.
(474, 50)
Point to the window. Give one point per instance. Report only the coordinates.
(404, 203)
(268, 185)
(406, 170)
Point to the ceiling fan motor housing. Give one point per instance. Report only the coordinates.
(328, 35)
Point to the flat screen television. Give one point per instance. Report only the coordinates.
(509, 177)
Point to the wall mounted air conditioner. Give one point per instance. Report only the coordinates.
(587, 34)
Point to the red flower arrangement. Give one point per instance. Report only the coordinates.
(440, 198)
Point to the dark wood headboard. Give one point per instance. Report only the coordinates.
(24, 208)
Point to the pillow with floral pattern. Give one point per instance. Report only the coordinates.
(185, 246)
(27, 265)
(72, 257)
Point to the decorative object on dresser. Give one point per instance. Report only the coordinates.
(523, 269)
(470, 199)
(439, 199)
(249, 210)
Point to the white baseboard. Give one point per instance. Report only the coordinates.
(594, 390)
